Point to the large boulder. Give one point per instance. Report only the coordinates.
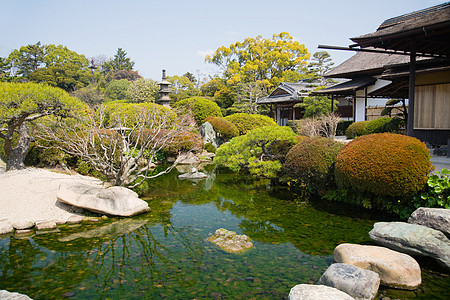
(436, 218)
(5, 295)
(317, 292)
(208, 134)
(116, 201)
(229, 241)
(396, 269)
(187, 159)
(357, 282)
(413, 239)
(5, 227)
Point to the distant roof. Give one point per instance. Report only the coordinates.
(288, 92)
(366, 63)
(429, 27)
(348, 87)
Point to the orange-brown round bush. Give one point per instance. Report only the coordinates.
(384, 164)
(312, 161)
(223, 127)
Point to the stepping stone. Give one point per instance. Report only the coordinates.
(317, 292)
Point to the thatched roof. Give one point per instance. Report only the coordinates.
(429, 27)
(365, 63)
(288, 92)
(348, 87)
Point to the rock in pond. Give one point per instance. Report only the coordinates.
(5, 227)
(4, 294)
(116, 201)
(208, 134)
(317, 292)
(413, 239)
(229, 241)
(187, 159)
(22, 224)
(45, 225)
(436, 218)
(396, 269)
(193, 174)
(357, 282)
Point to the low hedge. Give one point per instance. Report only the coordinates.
(201, 108)
(224, 128)
(356, 129)
(377, 125)
(247, 122)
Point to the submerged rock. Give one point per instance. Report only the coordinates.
(45, 225)
(396, 269)
(230, 241)
(357, 282)
(316, 292)
(193, 174)
(413, 239)
(116, 201)
(436, 218)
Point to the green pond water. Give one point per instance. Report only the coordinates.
(165, 254)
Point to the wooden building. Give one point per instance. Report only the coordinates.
(423, 39)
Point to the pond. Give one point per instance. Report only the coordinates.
(165, 253)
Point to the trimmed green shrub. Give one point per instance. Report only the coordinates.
(201, 108)
(209, 147)
(127, 113)
(224, 128)
(246, 122)
(395, 125)
(255, 151)
(356, 129)
(342, 127)
(384, 164)
(376, 126)
(312, 162)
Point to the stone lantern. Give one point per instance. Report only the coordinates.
(164, 98)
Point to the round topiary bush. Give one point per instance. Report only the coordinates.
(246, 122)
(201, 108)
(376, 126)
(356, 129)
(384, 164)
(224, 128)
(312, 161)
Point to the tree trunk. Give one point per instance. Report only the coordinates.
(15, 159)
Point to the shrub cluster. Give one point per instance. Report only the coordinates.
(312, 162)
(246, 122)
(342, 127)
(356, 129)
(384, 164)
(201, 108)
(377, 125)
(224, 128)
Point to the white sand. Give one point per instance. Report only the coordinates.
(30, 194)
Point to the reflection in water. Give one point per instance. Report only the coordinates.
(165, 253)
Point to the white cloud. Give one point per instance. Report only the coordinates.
(203, 53)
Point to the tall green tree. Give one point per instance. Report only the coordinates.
(321, 63)
(26, 59)
(23, 103)
(181, 88)
(316, 106)
(119, 62)
(264, 61)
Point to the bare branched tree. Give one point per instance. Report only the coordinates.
(329, 124)
(123, 154)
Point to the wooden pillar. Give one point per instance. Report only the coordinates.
(354, 106)
(365, 104)
(412, 85)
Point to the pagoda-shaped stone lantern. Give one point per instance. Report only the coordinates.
(164, 98)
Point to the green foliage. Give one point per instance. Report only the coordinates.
(384, 164)
(255, 151)
(266, 62)
(117, 89)
(209, 147)
(142, 90)
(437, 191)
(183, 142)
(182, 87)
(376, 126)
(395, 125)
(201, 108)
(126, 113)
(342, 127)
(119, 62)
(42, 157)
(224, 128)
(316, 106)
(356, 129)
(246, 122)
(91, 95)
(312, 162)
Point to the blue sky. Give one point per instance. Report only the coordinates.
(175, 35)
